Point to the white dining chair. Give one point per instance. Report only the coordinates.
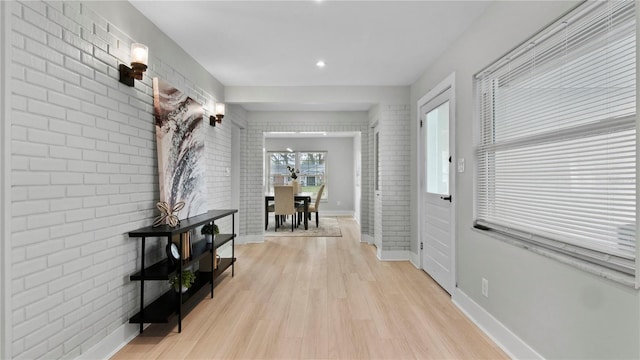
(284, 203)
(315, 206)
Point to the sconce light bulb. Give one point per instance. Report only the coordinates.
(220, 108)
(139, 54)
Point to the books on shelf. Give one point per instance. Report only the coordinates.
(185, 250)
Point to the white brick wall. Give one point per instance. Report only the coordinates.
(84, 173)
(238, 115)
(393, 211)
(218, 160)
(395, 182)
(390, 210)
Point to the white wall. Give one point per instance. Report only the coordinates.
(83, 170)
(558, 310)
(340, 169)
(349, 96)
(395, 179)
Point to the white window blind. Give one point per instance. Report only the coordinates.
(557, 149)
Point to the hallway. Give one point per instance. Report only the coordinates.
(319, 298)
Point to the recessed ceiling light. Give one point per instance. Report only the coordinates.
(320, 64)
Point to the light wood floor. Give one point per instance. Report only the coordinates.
(319, 298)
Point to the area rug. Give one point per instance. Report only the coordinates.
(329, 227)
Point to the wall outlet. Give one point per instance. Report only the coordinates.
(485, 287)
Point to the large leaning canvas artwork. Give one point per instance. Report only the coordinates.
(180, 134)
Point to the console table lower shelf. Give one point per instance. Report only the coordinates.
(163, 309)
(191, 251)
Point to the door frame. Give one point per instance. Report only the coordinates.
(447, 84)
(376, 193)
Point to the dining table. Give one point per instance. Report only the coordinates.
(302, 196)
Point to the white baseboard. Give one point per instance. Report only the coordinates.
(365, 238)
(414, 259)
(115, 341)
(393, 255)
(509, 342)
(249, 239)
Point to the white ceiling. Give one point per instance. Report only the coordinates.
(277, 43)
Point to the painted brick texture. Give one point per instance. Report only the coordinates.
(84, 173)
(395, 182)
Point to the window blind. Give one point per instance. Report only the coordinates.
(556, 155)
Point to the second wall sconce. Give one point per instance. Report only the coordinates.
(139, 59)
(219, 114)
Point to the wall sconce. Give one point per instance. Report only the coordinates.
(218, 116)
(139, 58)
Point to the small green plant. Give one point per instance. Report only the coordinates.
(188, 277)
(209, 229)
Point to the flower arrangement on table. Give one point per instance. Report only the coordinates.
(294, 172)
(294, 178)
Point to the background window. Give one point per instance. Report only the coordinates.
(278, 162)
(312, 166)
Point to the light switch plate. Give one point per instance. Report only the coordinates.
(461, 165)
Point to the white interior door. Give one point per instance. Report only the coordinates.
(436, 218)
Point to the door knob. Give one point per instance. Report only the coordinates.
(446, 198)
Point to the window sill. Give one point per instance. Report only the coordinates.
(616, 276)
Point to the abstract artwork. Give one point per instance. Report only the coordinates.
(180, 134)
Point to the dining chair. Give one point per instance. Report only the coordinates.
(270, 208)
(314, 207)
(284, 203)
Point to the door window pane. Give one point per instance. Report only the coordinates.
(437, 149)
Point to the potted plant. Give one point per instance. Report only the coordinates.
(209, 231)
(188, 277)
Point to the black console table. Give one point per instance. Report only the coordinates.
(173, 303)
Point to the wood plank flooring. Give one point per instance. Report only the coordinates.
(319, 298)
